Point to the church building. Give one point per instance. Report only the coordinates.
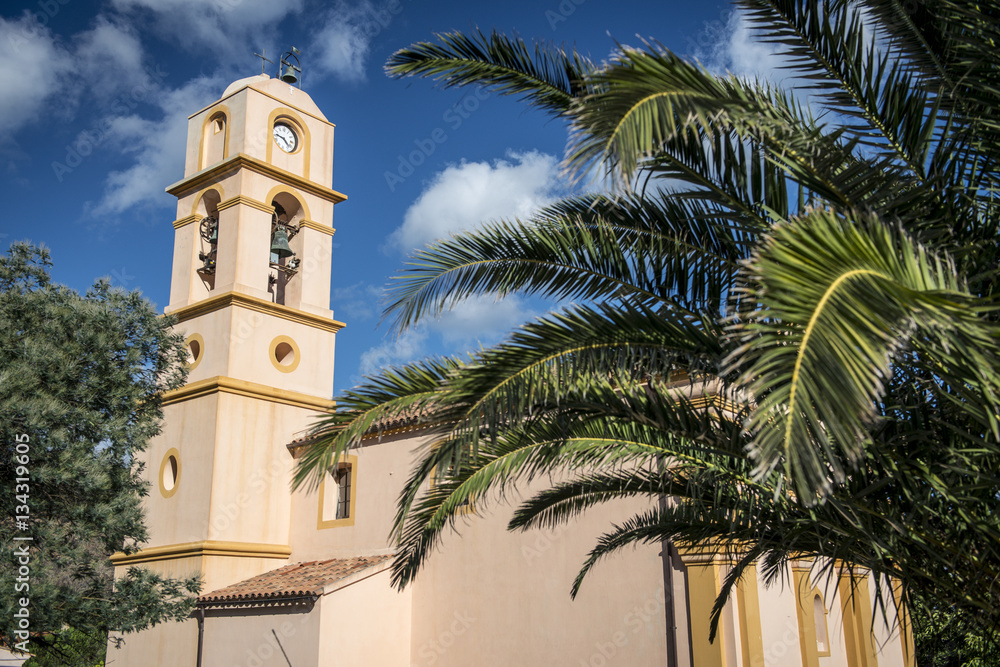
(302, 579)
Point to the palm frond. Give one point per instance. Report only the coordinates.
(407, 392)
(854, 291)
(649, 249)
(547, 76)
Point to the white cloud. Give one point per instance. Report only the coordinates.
(158, 145)
(225, 27)
(463, 196)
(342, 44)
(34, 68)
(481, 320)
(109, 59)
(406, 347)
(738, 51)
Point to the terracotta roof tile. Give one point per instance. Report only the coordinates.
(295, 580)
(409, 420)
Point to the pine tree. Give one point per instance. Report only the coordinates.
(81, 378)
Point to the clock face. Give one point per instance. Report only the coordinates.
(285, 137)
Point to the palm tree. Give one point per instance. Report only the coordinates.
(783, 308)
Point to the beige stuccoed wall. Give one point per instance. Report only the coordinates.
(250, 104)
(512, 592)
(351, 638)
(237, 344)
(887, 636)
(489, 586)
(234, 470)
(174, 644)
(190, 429)
(779, 624)
(250, 638)
(382, 469)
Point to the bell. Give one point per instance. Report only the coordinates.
(279, 243)
(289, 75)
(214, 237)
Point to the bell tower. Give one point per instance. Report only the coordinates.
(250, 289)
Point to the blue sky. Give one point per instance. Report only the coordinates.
(94, 131)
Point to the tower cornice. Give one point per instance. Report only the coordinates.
(227, 385)
(243, 161)
(237, 299)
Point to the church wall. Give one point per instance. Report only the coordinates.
(892, 654)
(488, 596)
(382, 471)
(250, 488)
(835, 628)
(167, 643)
(365, 624)
(494, 597)
(189, 430)
(779, 623)
(260, 637)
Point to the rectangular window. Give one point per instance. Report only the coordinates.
(343, 479)
(337, 495)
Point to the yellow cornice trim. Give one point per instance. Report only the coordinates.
(186, 220)
(204, 548)
(246, 201)
(228, 385)
(319, 227)
(244, 161)
(259, 305)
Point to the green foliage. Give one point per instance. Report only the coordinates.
(68, 647)
(790, 329)
(945, 637)
(81, 378)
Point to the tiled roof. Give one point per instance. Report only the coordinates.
(291, 581)
(407, 421)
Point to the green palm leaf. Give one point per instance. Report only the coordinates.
(548, 77)
(838, 299)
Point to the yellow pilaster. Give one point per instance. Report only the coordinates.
(857, 621)
(752, 641)
(905, 629)
(805, 615)
(703, 580)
